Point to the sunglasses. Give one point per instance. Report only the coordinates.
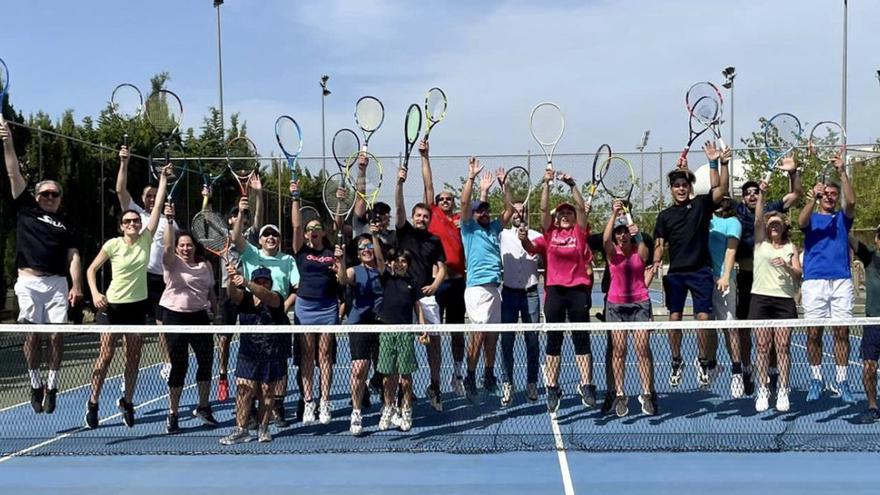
(128, 221)
(365, 247)
(444, 199)
(314, 228)
(749, 192)
(270, 234)
(49, 194)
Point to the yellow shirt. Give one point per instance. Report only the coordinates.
(129, 263)
(769, 280)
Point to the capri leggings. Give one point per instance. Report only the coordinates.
(179, 343)
(573, 304)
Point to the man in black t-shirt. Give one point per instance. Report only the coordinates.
(45, 256)
(683, 230)
(427, 269)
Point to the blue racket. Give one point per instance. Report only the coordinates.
(289, 136)
(782, 133)
(4, 85)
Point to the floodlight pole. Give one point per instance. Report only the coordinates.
(217, 4)
(843, 92)
(324, 93)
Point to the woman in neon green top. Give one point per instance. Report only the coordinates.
(777, 269)
(125, 302)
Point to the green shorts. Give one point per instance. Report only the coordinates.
(397, 354)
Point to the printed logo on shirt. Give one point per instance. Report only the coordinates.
(563, 242)
(51, 221)
(319, 259)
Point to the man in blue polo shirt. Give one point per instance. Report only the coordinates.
(482, 296)
(827, 290)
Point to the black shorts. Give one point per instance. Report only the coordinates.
(363, 345)
(743, 294)
(772, 308)
(870, 348)
(134, 313)
(155, 288)
(263, 371)
(700, 284)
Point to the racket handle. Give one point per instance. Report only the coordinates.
(204, 202)
(125, 140)
(721, 142)
(767, 175)
(364, 148)
(629, 218)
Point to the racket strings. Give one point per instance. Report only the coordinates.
(617, 178)
(345, 144)
(369, 114)
(413, 125)
(435, 105)
(164, 111)
(826, 141)
(4, 77)
(335, 204)
(518, 182)
(126, 102)
(782, 134)
(210, 230)
(289, 136)
(547, 124)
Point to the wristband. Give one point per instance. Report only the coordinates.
(713, 164)
(638, 238)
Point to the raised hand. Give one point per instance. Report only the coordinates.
(474, 167)
(254, 183)
(362, 160)
(500, 173)
(616, 207)
(486, 181)
(567, 179)
(837, 161)
(682, 163)
(423, 148)
(294, 188)
(712, 152)
(549, 175)
(401, 175)
(124, 155)
(788, 163)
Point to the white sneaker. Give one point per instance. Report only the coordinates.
(782, 402)
(324, 415)
(762, 401)
(404, 421)
(356, 427)
(506, 394)
(238, 435)
(165, 371)
(388, 417)
(532, 392)
(458, 385)
(265, 436)
(309, 413)
(737, 386)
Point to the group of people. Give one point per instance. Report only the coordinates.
(442, 263)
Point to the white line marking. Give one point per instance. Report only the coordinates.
(567, 485)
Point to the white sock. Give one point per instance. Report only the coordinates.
(456, 368)
(816, 372)
(35, 378)
(52, 381)
(841, 373)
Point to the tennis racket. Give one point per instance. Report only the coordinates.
(242, 160)
(164, 112)
(127, 103)
(308, 214)
(338, 199)
(618, 180)
(827, 142)
(210, 229)
(519, 183)
(782, 133)
(345, 144)
(4, 85)
(289, 136)
(163, 154)
(412, 126)
(599, 161)
(704, 105)
(547, 125)
(369, 114)
(366, 184)
(435, 109)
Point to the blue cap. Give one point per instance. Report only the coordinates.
(477, 204)
(261, 272)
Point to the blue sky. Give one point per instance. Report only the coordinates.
(615, 67)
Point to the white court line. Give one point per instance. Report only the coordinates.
(829, 355)
(83, 428)
(567, 485)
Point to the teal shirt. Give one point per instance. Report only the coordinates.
(720, 231)
(283, 267)
(482, 252)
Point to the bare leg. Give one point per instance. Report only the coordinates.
(707, 340)
(406, 384)
(105, 357)
(391, 390)
(490, 342)
(133, 344)
(243, 397)
(307, 366)
(814, 346)
(265, 407)
(618, 345)
(224, 354)
(552, 370)
(585, 368)
(435, 358)
(31, 350)
(325, 359)
(783, 355)
(674, 337)
(359, 370)
(642, 339)
(473, 352)
(869, 381)
(765, 337)
(841, 346)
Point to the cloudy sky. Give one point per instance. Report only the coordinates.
(615, 67)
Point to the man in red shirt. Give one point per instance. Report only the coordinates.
(449, 300)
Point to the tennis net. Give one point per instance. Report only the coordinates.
(689, 416)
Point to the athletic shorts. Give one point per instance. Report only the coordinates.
(743, 294)
(483, 303)
(397, 354)
(724, 303)
(772, 308)
(871, 343)
(699, 283)
(262, 371)
(155, 288)
(41, 299)
(362, 345)
(827, 298)
(133, 313)
(431, 311)
(622, 312)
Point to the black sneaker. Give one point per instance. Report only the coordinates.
(37, 399)
(871, 415)
(171, 424)
(588, 395)
(748, 384)
(50, 400)
(92, 416)
(490, 384)
(206, 415)
(554, 397)
(607, 402)
(127, 410)
(621, 406)
(649, 404)
(278, 415)
(470, 388)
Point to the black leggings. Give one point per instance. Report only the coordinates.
(574, 303)
(179, 343)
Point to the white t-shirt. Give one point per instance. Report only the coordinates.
(156, 250)
(520, 267)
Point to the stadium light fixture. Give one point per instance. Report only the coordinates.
(729, 73)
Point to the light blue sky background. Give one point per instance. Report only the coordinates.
(615, 67)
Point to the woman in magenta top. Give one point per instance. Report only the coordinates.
(567, 286)
(628, 301)
(188, 296)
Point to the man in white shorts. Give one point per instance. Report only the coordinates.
(827, 290)
(45, 256)
(482, 253)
